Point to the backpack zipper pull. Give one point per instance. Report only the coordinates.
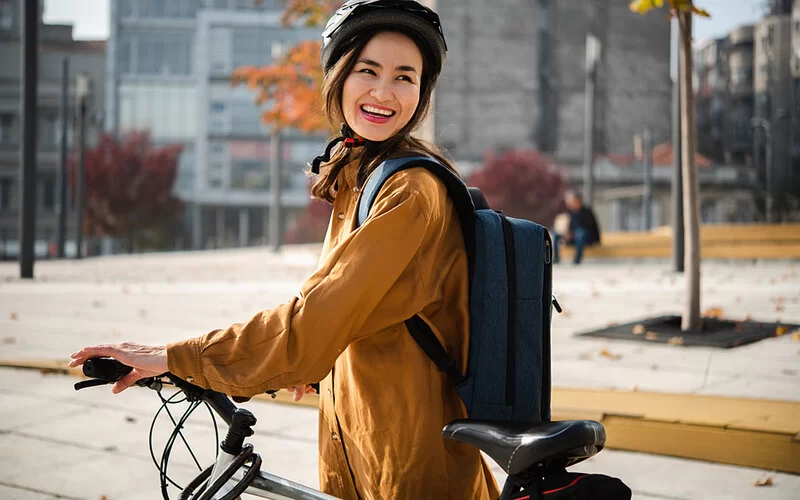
(557, 305)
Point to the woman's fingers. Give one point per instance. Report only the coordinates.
(146, 360)
(126, 381)
(96, 351)
(299, 391)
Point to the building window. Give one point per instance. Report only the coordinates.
(5, 193)
(6, 15)
(161, 53)
(48, 131)
(49, 193)
(249, 174)
(8, 130)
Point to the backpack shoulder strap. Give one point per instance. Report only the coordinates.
(456, 188)
(460, 195)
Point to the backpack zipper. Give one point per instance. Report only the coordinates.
(547, 251)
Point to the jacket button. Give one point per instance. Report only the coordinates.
(330, 393)
(341, 216)
(335, 436)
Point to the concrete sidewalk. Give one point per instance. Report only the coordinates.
(91, 448)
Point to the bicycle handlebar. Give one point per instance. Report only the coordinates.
(109, 370)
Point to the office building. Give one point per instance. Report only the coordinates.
(170, 66)
(56, 43)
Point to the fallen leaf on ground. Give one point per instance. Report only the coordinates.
(595, 293)
(610, 355)
(779, 308)
(13, 316)
(714, 312)
(9, 340)
(781, 330)
(763, 482)
(675, 341)
(638, 329)
(97, 304)
(650, 336)
(796, 337)
(142, 313)
(654, 367)
(585, 356)
(789, 372)
(780, 300)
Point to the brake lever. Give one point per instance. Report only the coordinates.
(153, 383)
(85, 384)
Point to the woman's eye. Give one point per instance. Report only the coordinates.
(367, 71)
(405, 78)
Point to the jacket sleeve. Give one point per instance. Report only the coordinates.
(298, 342)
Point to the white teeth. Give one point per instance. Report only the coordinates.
(377, 111)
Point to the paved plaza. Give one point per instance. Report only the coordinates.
(56, 443)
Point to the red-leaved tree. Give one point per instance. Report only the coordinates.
(522, 183)
(128, 189)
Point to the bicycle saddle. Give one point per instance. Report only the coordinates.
(518, 446)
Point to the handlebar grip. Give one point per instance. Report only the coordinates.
(108, 369)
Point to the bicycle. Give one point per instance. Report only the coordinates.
(530, 453)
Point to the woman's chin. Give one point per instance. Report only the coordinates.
(373, 135)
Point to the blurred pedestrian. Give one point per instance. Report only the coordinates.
(582, 230)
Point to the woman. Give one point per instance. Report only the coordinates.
(383, 402)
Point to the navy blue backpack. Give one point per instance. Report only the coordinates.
(510, 269)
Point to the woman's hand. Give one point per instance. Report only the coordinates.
(300, 391)
(146, 360)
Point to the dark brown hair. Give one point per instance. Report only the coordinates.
(373, 153)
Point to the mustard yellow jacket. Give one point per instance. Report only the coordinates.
(383, 403)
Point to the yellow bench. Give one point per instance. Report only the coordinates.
(719, 241)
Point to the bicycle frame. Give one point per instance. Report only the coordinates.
(270, 486)
(265, 485)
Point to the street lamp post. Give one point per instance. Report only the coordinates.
(763, 123)
(28, 108)
(83, 89)
(592, 60)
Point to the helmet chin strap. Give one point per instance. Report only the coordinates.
(346, 136)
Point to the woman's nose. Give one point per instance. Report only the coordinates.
(382, 90)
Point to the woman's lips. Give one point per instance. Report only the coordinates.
(374, 117)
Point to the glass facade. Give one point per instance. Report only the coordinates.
(183, 96)
(153, 52)
(159, 9)
(168, 110)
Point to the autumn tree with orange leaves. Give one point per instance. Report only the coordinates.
(293, 83)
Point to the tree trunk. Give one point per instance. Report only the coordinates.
(690, 320)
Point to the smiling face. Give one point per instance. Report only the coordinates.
(381, 93)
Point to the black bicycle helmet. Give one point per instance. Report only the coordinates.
(358, 18)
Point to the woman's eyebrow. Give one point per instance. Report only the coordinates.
(370, 62)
